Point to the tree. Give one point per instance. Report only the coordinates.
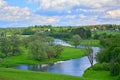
(58, 49)
(76, 39)
(14, 45)
(111, 54)
(4, 46)
(49, 40)
(88, 33)
(90, 55)
(37, 50)
(82, 32)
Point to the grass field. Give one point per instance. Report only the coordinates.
(98, 75)
(12, 74)
(91, 42)
(108, 32)
(68, 53)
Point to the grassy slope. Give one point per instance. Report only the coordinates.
(98, 75)
(68, 53)
(12, 74)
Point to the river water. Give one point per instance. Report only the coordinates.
(74, 67)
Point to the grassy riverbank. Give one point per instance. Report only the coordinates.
(68, 53)
(98, 75)
(98, 72)
(12, 74)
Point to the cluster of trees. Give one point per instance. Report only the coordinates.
(28, 31)
(111, 54)
(111, 27)
(41, 47)
(83, 33)
(9, 45)
(68, 33)
(102, 36)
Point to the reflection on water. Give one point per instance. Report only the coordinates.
(75, 67)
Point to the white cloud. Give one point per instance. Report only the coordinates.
(78, 12)
(57, 4)
(12, 13)
(68, 4)
(16, 15)
(2, 3)
(37, 19)
(113, 14)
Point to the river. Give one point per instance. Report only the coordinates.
(74, 67)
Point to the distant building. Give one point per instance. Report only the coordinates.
(47, 30)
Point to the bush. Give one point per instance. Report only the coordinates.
(118, 77)
(2, 55)
(58, 49)
(102, 66)
(115, 69)
(37, 50)
(0, 59)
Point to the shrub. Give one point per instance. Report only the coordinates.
(118, 77)
(115, 69)
(102, 66)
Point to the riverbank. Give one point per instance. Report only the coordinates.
(98, 75)
(68, 53)
(13, 74)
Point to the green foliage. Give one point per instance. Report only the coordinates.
(67, 53)
(118, 77)
(15, 45)
(98, 75)
(61, 35)
(76, 39)
(90, 42)
(9, 46)
(102, 36)
(4, 46)
(82, 32)
(101, 66)
(28, 31)
(37, 50)
(115, 69)
(58, 50)
(49, 40)
(111, 54)
(41, 47)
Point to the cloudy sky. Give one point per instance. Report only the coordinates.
(21, 13)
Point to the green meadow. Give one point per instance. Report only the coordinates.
(67, 53)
